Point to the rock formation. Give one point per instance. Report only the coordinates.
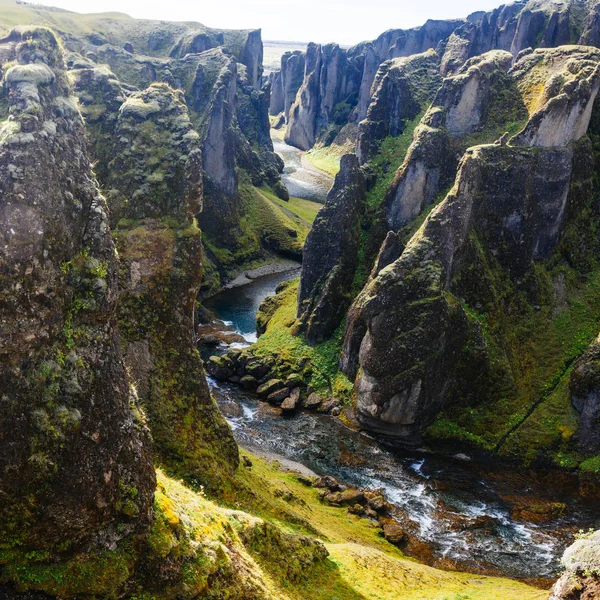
(403, 88)
(581, 580)
(286, 82)
(509, 202)
(512, 27)
(331, 77)
(463, 105)
(76, 456)
(155, 182)
(331, 255)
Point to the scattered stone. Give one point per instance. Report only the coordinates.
(370, 513)
(378, 504)
(231, 409)
(219, 368)
(329, 405)
(290, 403)
(248, 382)
(246, 461)
(393, 532)
(294, 380)
(345, 497)
(357, 509)
(331, 483)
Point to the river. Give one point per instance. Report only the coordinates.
(464, 511)
(300, 177)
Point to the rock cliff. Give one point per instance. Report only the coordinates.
(155, 183)
(403, 88)
(286, 83)
(512, 27)
(510, 205)
(76, 455)
(330, 260)
(328, 92)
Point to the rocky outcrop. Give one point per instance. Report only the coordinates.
(432, 329)
(581, 579)
(156, 189)
(584, 387)
(331, 255)
(567, 99)
(76, 456)
(331, 79)
(287, 82)
(463, 104)
(252, 58)
(509, 202)
(402, 89)
(512, 27)
(276, 101)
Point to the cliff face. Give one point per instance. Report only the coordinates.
(510, 205)
(331, 77)
(465, 103)
(329, 259)
(286, 83)
(155, 180)
(511, 27)
(76, 455)
(403, 88)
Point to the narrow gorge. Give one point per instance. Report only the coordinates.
(287, 320)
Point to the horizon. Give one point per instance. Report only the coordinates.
(305, 21)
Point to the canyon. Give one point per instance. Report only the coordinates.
(327, 330)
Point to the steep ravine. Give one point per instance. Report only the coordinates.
(466, 513)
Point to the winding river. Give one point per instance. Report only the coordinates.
(465, 512)
(300, 177)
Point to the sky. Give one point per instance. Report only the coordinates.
(341, 21)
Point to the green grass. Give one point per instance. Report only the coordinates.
(272, 224)
(306, 210)
(324, 159)
(321, 370)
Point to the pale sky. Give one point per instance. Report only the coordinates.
(342, 21)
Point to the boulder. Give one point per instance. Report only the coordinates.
(273, 385)
(393, 532)
(313, 401)
(278, 396)
(348, 497)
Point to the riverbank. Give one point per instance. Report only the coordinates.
(280, 266)
(302, 178)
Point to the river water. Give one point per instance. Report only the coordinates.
(464, 512)
(301, 179)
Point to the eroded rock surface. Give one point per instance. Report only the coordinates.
(76, 456)
(331, 254)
